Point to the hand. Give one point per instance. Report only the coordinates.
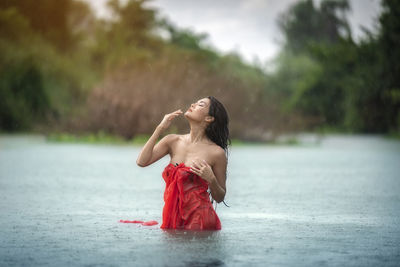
(166, 122)
(202, 169)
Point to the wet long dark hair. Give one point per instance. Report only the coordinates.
(218, 131)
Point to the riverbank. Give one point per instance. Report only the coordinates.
(103, 138)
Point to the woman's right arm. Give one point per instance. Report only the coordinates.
(151, 152)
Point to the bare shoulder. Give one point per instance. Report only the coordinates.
(169, 139)
(218, 155)
(178, 137)
(173, 139)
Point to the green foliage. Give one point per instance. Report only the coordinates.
(312, 69)
(294, 78)
(23, 98)
(91, 75)
(389, 42)
(14, 26)
(132, 18)
(92, 138)
(127, 39)
(304, 24)
(323, 73)
(183, 38)
(37, 83)
(54, 27)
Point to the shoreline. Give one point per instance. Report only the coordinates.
(290, 139)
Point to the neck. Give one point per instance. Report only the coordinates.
(197, 134)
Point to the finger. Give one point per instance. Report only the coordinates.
(195, 171)
(195, 163)
(199, 166)
(204, 163)
(195, 168)
(173, 116)
(176, 115)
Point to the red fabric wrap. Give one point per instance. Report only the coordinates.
(187, 203)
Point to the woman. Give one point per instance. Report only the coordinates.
(198, 163)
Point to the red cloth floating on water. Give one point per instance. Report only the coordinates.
(148, 223)
(127, 221)
(187, 203)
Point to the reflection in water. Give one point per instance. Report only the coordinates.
(190, 234)
(211, 262)
(207, 244)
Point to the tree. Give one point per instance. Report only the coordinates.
(389, 42)
(304, 24)
(318, 42)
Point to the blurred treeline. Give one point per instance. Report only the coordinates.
(350, 86)
(64, 69)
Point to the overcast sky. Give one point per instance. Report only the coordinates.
(246, 26)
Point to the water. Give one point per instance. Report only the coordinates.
(335, 203)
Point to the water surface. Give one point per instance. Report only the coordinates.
(334, 203)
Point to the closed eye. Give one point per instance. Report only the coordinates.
(201, 104)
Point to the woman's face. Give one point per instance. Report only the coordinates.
(198, 111)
